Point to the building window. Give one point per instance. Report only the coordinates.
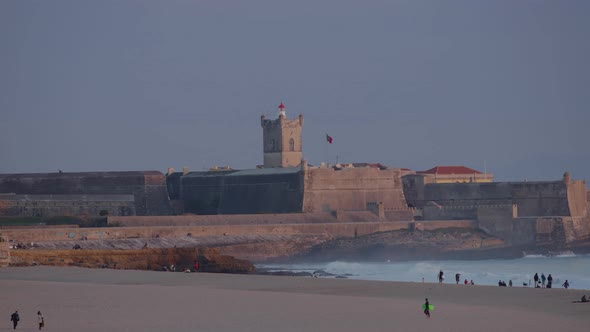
(291, 145)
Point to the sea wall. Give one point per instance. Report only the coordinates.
(443, 224)
(245, 219)
(328, 189)
(503, 221)
(70, 233)
(331, 230)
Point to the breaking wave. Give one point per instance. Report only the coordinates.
(562, 266)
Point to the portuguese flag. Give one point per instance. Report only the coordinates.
(329, 138)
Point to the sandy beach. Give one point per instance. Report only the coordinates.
(77, 299)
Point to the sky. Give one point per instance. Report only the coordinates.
(500, 86)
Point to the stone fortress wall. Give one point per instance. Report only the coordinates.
(533, 198)
(525, 212)
(148, 189)
(519, 212)
(242, 192)
(291, 190)
(329, 189)
(180, 230)
(66, 205)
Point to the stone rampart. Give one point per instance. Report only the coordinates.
(245, 219)
(66, 205)
(333, 229)
(242, 192)
(77, 234)
(4, 253)
(328, 189)
(556, 230)
(577, 228)
(501, 220)
(432, 225)
(413, 185)
(576, 197)
(147, 187)
(402, 214)
(434, 211)
(533, 198)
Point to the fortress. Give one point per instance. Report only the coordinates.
(286, 187)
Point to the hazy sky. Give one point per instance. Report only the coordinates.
(141, 85)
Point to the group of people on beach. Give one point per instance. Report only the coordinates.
(15, 318)
(458, 279)
(441, 278)
(540, 281)
(188, 269)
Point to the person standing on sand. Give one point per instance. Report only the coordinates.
(14, 318)
(536, 278)
(441, 276)
(566, 284)
(458, 278)
(543, 280)
(41, 320)
(549, 280)
(427, 308)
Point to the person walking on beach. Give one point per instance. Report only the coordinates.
(458, 278)
(427, 308)
(536, 278)
(543, 280)
(441, 276)
(14, 318)
(549, 280)
(566, 284)
(41, 320)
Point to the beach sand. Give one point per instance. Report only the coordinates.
(77, 299)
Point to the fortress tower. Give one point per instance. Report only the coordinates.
(281, 139)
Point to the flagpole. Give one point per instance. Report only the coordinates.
(326, 144)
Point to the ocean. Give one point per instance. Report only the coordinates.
(574, 268)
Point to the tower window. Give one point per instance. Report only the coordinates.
(273, 145)
(291, 145)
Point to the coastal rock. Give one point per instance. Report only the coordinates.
(408, 245)
(209, 259)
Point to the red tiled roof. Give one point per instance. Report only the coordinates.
(281, 106)
(448, 170)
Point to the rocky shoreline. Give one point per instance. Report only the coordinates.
(239, 258)
(154, 259)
